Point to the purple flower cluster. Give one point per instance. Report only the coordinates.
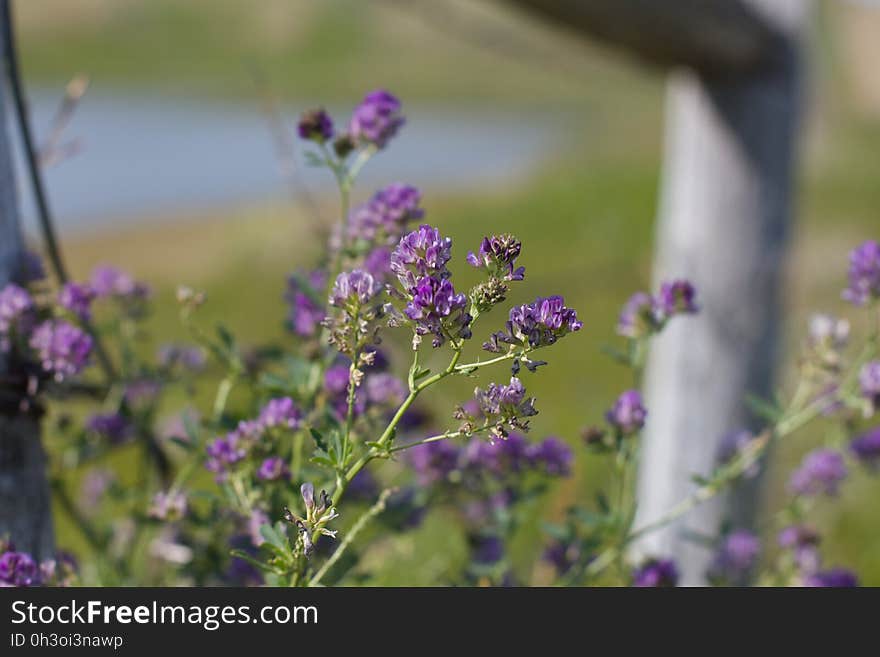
(306, 314)
(353, 289)
(226, 451)
(736, 556)
(643, 314)
(109, 281)
(497, 256)
(866, 448)
(111, 426)
(77, 299)
(869, 381)
(505, 406)
(832, 578)
(315, 125)
(377, 119)
(656, 573)
(16, 313)
(437, 309)
(62, 349)
(821, 471)
(382, 220)
(628, 414)
(864, 273)
(273, 469)
(537, 324)
(420, 254)
(19, 569)
(803, 543)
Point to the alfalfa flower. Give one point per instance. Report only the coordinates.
(319, 512)
(505, 407)
(628, 414)
(315, 125)
(62, 349)
(864, 274)
(376, 120)
(821, 471)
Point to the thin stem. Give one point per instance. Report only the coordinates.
(440, 436)
(222, 397)
(371, 513)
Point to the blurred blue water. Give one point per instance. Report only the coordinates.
(143, 156)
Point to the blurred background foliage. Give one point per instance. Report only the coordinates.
(585, 213)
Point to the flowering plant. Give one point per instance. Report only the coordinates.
(274, 480)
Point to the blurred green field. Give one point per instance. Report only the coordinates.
(585, 218)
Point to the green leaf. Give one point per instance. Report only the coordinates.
(241, 554)
(770, 411)
(318, 437)
(274, 538)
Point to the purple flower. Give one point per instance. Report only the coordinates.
(505, 405)
(869, 380)
(437, 309)
(537, 324)
(377, 119)
(353, 289)
(336, 379)
(306, 313)
(501, 457)
(821, 471)
(803, 542)
(433, 462)
(315, 125)
(385, 389)
(111, 426)
(383, 219)
(170, 506)
(832, 578)
(273, 469)
(656, 573)
(378, 263)
(19, 569)
(280, 412)
(637, 319)
(109, 281)
(63, 349)
(224, 452)
(189, 358)
(864, 273)
(421, 253)
(16, 312)
(497, 255)
(676, 298)
(628, 414)
(77, 299)
(736, 555)
(867, 448)
(552, 455)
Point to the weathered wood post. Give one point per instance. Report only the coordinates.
(732, 115)
(725, 207)
(25, 514)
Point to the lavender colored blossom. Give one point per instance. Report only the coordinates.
(113, 427)
(273, 469)
(676, 298)
(378, 263)
(77, 299)
(189, 358)
(437, 309)
(19, 569)
(280, 412)
(501, 457)
(867, 448)
(497, 256)
(656, 573)
(377, 119)
(736, 556)
(832, 578)
(315, 125)
(506, 405)
(109, 281)
(637, 319)
(537, 324)
(385, 389)
(306, 313)
(168, 506)
(628, 414)
(869, 381)
(553, 456)
(419, 254)
(224, 452)
(336, 379)
(353, 289)
(821, 471)
(16, 312)
(434, 462)
(803, 542)
(63, 349)
(864, 274)
(383, 219)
